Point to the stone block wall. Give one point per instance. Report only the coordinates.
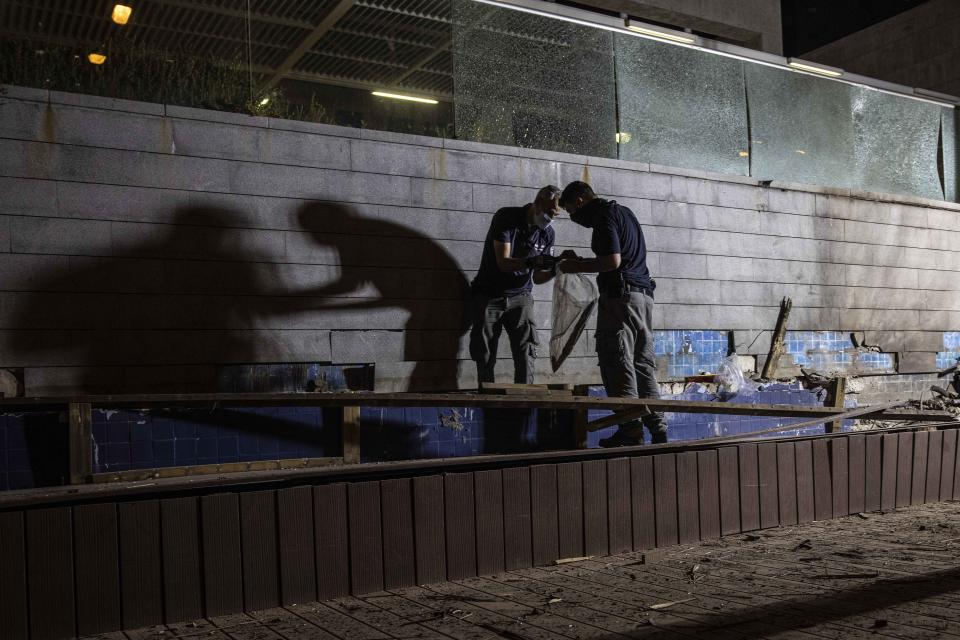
(143, 245)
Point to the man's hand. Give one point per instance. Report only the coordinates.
(568, 266)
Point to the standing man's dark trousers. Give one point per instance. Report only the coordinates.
(627, 361)
(490, 317)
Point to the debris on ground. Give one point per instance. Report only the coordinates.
(664, 605)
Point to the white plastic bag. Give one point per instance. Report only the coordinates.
(731, 378)
(574, 298)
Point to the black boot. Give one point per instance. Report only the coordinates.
(620, 439)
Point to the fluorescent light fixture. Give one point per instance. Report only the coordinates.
(97, 58)
(672, 36)
(830, 72)
(121, 13)
(623, 137)
(265, 101)
(400, 96)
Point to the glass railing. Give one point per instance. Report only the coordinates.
(496, 75)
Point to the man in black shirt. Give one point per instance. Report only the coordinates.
(516, 254)
(625, 312)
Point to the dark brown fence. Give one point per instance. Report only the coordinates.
(88, 568)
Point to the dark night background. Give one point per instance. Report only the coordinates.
(809, 24)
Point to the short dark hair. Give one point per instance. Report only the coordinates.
(549, 192)
(575, 190)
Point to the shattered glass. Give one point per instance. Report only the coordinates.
(801, 129)
(895, 144)
(531, 81)
(951, 170)
(681, 107)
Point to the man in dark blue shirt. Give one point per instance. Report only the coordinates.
(516, 254)
(625, 313)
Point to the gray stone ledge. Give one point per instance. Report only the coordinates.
(401, 138)
(190, 113)
(100, 102)
(316, 128)
(9, 91)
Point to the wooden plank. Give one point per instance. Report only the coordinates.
(543, 511)
(749, 487)
(399, 558)
(295, 531)
(888, 478)
(141, 564)
(429, 531)
(488, 488)
(857, 450)
(665, 493)
(81, 442)
(769, 489)
(644, 508)
(688, 499)
(595, 520)
(460, 525)
(366, 537)
(332, 537)
(729, 474)
(836, 394)
(570, 509)
(787, 483)
(839, 476)
(708, 478)
(934, 460)
(777, 340)
(96, 549)
(13, 577)
(222, 572)
(50, 589)
(517, 544)
(350, 434)
(822, 476)
(904, 469)
(619, 519)
(918, 480)
(180, 533)
(947, 465)
(580, 418)
(803, 451)
(258, 537)
(873, 472)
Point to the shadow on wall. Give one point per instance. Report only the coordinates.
(369, 251)
(162, 310)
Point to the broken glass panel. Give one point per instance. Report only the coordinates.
(531, 81)
(895, 144)
(951, 170)
(680, 107)
(800, 127)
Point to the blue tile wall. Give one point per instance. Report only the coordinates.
(694, 426)
(832, 351)
(125, 440)
(951, 353)
(689, 353)
(34, 450)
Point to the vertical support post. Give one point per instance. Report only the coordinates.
(81, 442)
(580, 419)
(776, 341)
(836, 394)
(350, 433)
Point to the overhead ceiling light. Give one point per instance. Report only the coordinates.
(624, 137)
(265, 101)
(400, 96)
(657, 33)
(823, 70)
(97, 58)
(121, 13)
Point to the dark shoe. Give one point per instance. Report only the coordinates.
(659, 438)
(619, 439)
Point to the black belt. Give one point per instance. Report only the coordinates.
(628, 288)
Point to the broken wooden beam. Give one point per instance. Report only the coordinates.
(776, 341)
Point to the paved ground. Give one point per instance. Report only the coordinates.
(893, 575)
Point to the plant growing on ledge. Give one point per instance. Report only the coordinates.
(134, 72)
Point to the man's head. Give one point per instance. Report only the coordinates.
(574, 197)
(546, 206)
